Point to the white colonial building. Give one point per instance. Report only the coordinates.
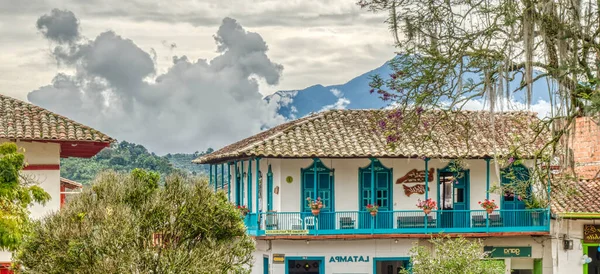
(45, 137)
(340, 157)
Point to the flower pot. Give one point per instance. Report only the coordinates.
(489, 210)
(373, 213)
(315, 211)
(427, 211)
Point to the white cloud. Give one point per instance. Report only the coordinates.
(341, 102)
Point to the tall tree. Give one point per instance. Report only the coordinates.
(454, 51)
(130, 224)
(17, 193)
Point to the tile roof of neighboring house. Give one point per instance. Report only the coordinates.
(70, 183)
(576, 197)
(351, 134)
(24, 121)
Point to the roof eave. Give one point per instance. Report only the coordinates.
(579, 215)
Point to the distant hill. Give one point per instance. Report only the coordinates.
(354, 94)
(126, 156)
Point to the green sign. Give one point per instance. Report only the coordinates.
(507, 251)
(286, 232)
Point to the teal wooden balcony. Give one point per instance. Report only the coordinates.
(398, 222)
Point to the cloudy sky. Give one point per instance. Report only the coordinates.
(180, 76)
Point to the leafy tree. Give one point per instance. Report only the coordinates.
(16, 194)
(457, 256)
(130, 224)
(454, 51)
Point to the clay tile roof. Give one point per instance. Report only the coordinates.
(581, 196)
(24, 121)
(69, 183)
(351, 134)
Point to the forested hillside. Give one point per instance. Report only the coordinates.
(126, 156)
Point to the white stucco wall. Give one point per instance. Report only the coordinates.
(41, 154)
(346, 182)
(379, 248)
(568, 261)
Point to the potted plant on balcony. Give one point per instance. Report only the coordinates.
(488, 205)
(315, 205)
(534, 204)
(243, 209)
(372, 209)
(427, 205)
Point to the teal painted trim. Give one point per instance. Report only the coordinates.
(487, 178)
(222, 176)
(372, 190)
(250, 185)
(229, 182)
(426, 178)
(257, 184)
(378, 259)
(242, 186)
(215, 179)
(315, 194)
(269, 189)
(210, 175)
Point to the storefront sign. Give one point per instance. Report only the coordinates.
(286, 232)
(591, 233)
(507, 251)
(415, 176)
(278, 258)
(416, 189)
(349, 259)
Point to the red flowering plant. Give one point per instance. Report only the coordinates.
(428, 204)
(488, 204)
(243, 209)
(315, 204)
(372, 208)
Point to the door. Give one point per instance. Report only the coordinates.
(383, 195)
(304, 265)
(324, 187)
(265, 265)
(460, 198)
(390, 265)
(238, 186)
(453, 198)
(512, 205)
(269, 190)
(594, 266)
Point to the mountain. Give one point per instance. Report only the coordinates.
(354, 94)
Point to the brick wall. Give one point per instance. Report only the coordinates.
(586, 147)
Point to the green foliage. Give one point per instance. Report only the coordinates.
(16, 194)
(456, 256)
(130, 224)
(125, 157)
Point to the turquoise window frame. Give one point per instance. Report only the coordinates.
(379, 167)
(316, 258)
(320, 169)
(378, 259)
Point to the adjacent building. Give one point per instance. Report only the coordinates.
(341, 158)
(45, 137)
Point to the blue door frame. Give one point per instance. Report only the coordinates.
(460, 199)
(265, 265)
(511, 175)
(379, 259)
(383, 195)
(325, 189)
(321, 264)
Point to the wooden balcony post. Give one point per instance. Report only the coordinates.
(426, 189)
(372, 191)
(209, 175)
(257, 192)
(229, 181)
(241, 194)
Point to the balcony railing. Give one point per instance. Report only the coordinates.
(398, 222)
